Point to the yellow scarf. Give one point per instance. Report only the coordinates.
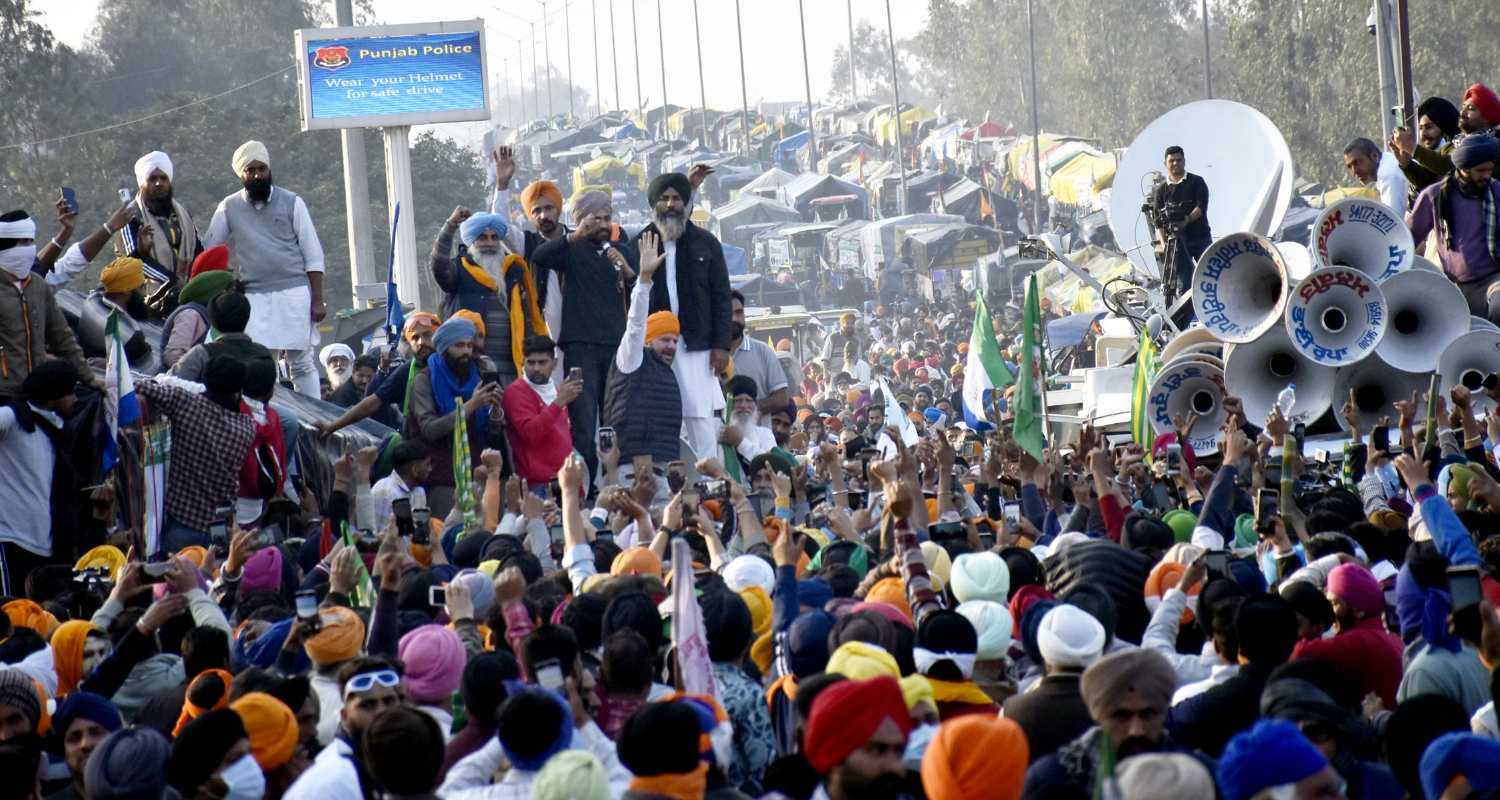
(522, 296)
(959, 692)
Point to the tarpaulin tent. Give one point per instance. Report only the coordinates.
(940, 142)
(768, 184)
(986, 130)
(1079, 181)
(787, 149)
(879, 238)
(726, 222)
(846, 154)
(608, 170)
(734, 259)
(807, 187)
(910, 119)
(951, 246)
(964, 198)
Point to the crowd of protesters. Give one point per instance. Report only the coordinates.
(891, 603)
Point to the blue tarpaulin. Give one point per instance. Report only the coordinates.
(1069, 331)
(734, 259)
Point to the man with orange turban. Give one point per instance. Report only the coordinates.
(856, 737)
(541, 204)
(642, 401)
(975, 756)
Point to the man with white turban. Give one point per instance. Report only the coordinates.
(274, 249)
(163, 235)
(338, 363)
(488, 277)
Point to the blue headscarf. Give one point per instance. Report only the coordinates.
(1435, 622)
(446, 388)
(263, 651)
(470, 229)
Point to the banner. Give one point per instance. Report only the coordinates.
(1147, 362)
(695, 670)
(463, 469)
(157, 454)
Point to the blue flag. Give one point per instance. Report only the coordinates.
(395, 319)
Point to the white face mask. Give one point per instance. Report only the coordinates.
(18, 260)
(245, 780)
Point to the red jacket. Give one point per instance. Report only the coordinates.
(1368, 653)
(540, 435)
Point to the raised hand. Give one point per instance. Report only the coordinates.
(651, 255)
(505, 165)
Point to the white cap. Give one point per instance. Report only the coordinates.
(1070, 637)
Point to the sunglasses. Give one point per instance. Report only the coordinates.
(365, 681)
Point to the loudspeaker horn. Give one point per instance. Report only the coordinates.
(1420, 306)
(1336, 316)
(1377, 386)
(1467, 361)
(1299, 261)
(1257, 371)
(1188, 385)
(1482, 324)
(1202, 358)
(1239, 287)
(1364, 234)
(1188, 338)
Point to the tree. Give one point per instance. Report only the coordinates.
(872, 66)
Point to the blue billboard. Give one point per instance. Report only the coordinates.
(355, 79)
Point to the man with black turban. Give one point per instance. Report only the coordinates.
(1437, 128)
(694, 285)
(1463, 210)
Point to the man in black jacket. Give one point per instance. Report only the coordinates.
(598, 277)
(695, 287)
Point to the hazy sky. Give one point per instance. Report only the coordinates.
(773, 55)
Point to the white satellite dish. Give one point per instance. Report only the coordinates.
(1237, 150)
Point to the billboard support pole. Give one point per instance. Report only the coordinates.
(362, 269)
(398, 189)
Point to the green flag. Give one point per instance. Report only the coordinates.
(1031, 396)
(1147, 362)
(364, 588)
(984, 370)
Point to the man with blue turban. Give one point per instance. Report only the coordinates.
(1463, 210)
(452, 385)
(488, 278)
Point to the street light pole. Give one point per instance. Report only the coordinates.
(521, 79)
(635, 39)
(614, 52)
(812, 134)
(536, 81)
(702, 91)
(598, 89)
(547, 49)
(568, 42)
(853, 92)
(739, 34)
(661, 53)
(1036, 137)
(1208, 70)
(890, 32)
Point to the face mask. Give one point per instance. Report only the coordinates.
(18, 260)
(245, 780)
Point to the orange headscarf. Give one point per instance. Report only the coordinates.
(27, 614)
(67, 653)
(192, 711)
(976, 756)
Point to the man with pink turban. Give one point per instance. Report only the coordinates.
(1363, 649)
(434, 658)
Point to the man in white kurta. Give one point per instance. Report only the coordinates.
(275, 251)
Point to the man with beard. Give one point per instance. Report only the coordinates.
(1437, 128)
(491, 281)
(1478, 113)
(597, 277)
(1364, 651)
(163, 234)
(1463, 209)
(838, 342)
(276, 253)
(338, 363)
(1128, 694)
(755, 359)
(536, 414)
(856, 737)
(449, 386)
(643, 403)
(394, 391)
(753, 438)
(360, 375)
(541, 202)
(82, 722)
(695, 287)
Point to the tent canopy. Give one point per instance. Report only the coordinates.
(987, 130)
(800, 192)
(768, 183)
(728, 221)
(608, 170)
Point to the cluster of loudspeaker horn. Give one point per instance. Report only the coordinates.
(1357, 311)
